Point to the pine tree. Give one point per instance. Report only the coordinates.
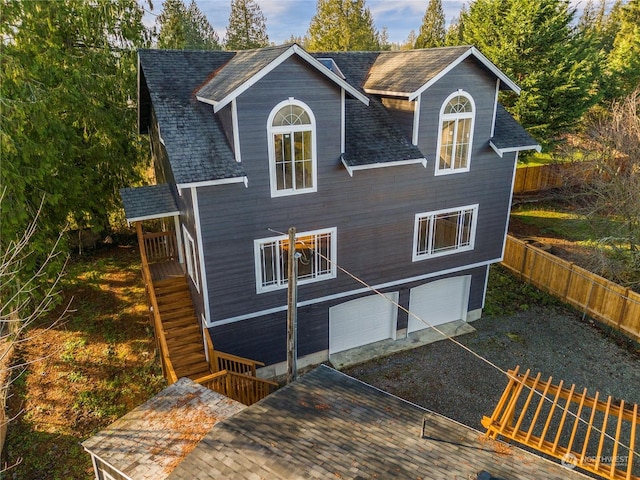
(342, 25)
(432, 32)
(247, 26)
(623, 63)
(184, 27)
(67, 129)
(534, 43)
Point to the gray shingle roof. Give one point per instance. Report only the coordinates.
(196, 144)
(244, 65)
(152, 201)
(407, 70)
(148, 442)
(509, 135)
(329, 425)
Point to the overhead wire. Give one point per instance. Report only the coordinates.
(459, 344)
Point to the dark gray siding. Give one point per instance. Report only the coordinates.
(264, 338)
(402, 112)
(373, 212)
(226, 119)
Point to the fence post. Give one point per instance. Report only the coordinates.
(623, 310)
(566, 290)
(586, 306)
(524, 259)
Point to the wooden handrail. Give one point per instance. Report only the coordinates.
(167, 367)
(159, 246)
(227, 361)
(242, 388)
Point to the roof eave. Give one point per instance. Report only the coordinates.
(502, 151)
(482, 59)
(294, 49)
(352, 168)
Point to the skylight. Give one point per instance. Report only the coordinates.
(331, 65)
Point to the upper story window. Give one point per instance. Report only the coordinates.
(444, 231)
(317, 261)
(292, 149)
(456, 134)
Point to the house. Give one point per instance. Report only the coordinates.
(395, 168)
(326, 425)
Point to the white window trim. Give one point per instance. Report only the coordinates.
(291, 128)
(191, 257)
(257, 244)
(472, 237)
(441, 119)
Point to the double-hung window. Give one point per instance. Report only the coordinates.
(444, 232)
(292, 149)
(456, 134)
(316, 262)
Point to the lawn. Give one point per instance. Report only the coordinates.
(85, 373)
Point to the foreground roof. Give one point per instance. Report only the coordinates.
(148, 442)
(329, 425)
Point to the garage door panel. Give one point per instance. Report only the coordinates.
(362, 321)
(439, 302)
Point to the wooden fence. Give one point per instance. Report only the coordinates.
(543, 177)
(593, 295)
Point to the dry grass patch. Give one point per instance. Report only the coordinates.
(85, 373)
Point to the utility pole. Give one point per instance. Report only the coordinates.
(292, 308)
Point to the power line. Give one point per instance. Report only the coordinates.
(456, 342)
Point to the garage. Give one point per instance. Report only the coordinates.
(438, 302)
(362, 321)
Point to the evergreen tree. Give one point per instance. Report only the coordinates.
(67, 129)
(455, 32)
(184, 27)
(432, 32)
(342, 25)
(623, 63)
(534, 43)
(247, 26)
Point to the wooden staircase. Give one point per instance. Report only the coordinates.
(181, 328)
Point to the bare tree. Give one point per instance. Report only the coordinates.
(611, 181)
(22, 303)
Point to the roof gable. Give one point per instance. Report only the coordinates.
(248, 66)
(410, 72)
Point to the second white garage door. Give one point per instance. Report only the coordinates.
(362, 321)
(439, 302)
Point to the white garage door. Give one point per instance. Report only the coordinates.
(362, 321)
(439, 302)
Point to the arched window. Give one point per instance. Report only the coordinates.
(456, 134)
(292, 149)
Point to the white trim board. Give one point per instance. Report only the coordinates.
(350, 293)
(211, 183)
(502, 151)
(371, 166)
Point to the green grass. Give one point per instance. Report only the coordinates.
(557, 223)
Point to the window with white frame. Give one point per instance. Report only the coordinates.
(191, 257)
(292, 149)
(456, 134)
(444, 232)
(317, 260)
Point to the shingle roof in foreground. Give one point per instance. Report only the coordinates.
(509, 135)
(329, 425)
(148, 442)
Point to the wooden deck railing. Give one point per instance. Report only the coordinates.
(160, 246)
(243, 388)
(167, 367)
(219, 361)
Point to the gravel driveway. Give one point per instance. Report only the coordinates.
(553, 340)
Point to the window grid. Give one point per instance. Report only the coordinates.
(444, 232)
(317, 260)
(456, 130)
(292, 150)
